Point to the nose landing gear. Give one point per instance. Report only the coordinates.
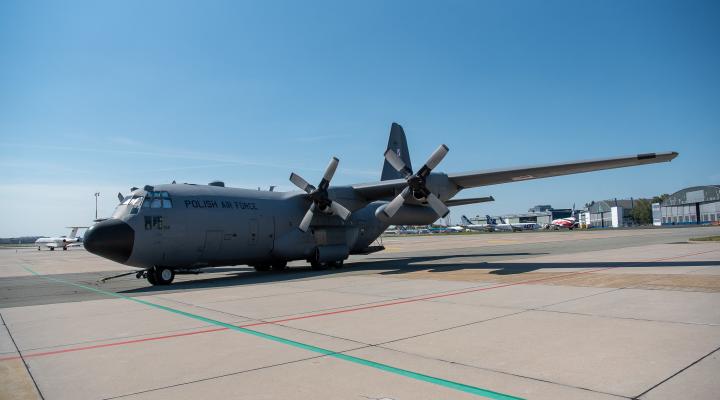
(157, 275)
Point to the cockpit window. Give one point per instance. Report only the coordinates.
(132, 202)
(157, 200)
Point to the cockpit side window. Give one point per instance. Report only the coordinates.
(131, 202)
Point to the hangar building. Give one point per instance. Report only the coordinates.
(600, 213)
(693, 205)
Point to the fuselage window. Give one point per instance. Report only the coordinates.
(153, 222)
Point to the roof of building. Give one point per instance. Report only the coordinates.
(694, 194)
(606, 205)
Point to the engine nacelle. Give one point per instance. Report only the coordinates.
(332, 253)
(408, 214)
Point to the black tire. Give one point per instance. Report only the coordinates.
(150, 276)
(164, 275)
(279, 266)
(52, 249)
(38, 248)
(318, 266)
(262, 267)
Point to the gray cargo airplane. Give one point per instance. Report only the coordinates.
(180, 227)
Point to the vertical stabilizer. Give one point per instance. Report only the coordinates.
(466, 220)
(398, 144)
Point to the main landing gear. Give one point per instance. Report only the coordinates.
(275, 266)
(158, 275)
(319, 266)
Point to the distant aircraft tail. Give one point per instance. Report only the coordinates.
(74, 230)
(397, 143)
(466, 220)
(489, 220)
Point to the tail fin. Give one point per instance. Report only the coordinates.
(466, 220)
(397, 143)
(74, 230)
(489, 220)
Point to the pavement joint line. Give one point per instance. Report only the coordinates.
(213, 377)
(499, 371)
(27, 367)
(675, 374)
(627, 318)
(474, 390)
(381, 304)
(231, 374)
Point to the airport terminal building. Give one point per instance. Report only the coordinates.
(693, 205)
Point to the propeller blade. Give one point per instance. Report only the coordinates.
(437, 205)
(330, 170)
(396, 203)
(436, 157)
(301, 183)
(397, 163)
(339, 210)
(305, 223)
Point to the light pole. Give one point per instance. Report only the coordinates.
(97, 194)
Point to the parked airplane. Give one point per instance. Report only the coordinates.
(565, 223)
(510, 227)
(167, 228)
(62, 241)
(467, 224)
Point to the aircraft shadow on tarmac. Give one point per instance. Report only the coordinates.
(242, 275)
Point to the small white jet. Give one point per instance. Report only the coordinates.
(63, 241)
(493, 225)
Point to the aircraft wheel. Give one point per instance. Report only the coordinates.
(38, 248)
(163, 275)
(262, 267)
(318, 266)
(64, 248)
(52, 249)
(150, 275)
(278, 266)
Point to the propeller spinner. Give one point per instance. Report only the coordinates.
(416, 182)
(319, 196)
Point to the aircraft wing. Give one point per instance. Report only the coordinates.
(387, 189)
(466, 180)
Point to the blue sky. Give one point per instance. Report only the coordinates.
(102, 96)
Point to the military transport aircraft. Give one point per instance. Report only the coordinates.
(179, 227)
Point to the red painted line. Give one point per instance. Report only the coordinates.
(99, 346)
(347, 310)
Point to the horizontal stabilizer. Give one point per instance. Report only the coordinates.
(473, 200)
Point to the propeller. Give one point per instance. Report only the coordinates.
(319, 196)
(416, 182)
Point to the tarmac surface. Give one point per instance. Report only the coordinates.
(606, 314)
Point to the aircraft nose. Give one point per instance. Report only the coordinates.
(112, 239)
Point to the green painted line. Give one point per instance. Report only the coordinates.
(361, 361)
